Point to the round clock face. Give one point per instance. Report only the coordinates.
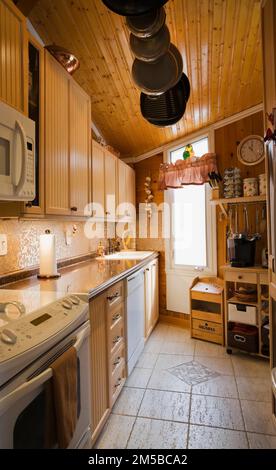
(251, 150)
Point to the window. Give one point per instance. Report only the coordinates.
(191, 243)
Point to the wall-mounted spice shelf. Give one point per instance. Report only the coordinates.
(224, 202)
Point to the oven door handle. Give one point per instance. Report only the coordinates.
(31, 385)
(22, 390)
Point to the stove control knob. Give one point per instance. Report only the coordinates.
(8, 336)
(75, 300)
(67, 304)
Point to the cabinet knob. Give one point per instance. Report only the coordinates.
(240, 277)
(74, 209)
(118, 382)
(147, 269)
(29, 204)
(107, 212)
(116, 340)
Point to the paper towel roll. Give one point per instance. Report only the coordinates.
(47, 252)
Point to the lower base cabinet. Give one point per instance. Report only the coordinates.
(151, 297)
(107, 316)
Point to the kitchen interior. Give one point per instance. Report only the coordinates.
(137, 224)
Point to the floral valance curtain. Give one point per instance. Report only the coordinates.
(194, 170)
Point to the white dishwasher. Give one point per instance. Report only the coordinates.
(135, 318)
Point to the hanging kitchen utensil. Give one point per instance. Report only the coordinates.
(155, 78)
(166, 109)
(147, 25)
(152, 48)
(132, 7)
(230, 237)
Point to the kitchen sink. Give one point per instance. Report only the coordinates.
(128, 255)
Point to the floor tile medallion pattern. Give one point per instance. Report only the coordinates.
(193, 373)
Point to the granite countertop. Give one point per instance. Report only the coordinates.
(87, 278)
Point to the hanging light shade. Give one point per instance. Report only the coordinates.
(151, 49)
(147, 25)
(133, 7)
(154, 78)
(166, 109)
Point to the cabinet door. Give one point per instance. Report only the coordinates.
(148, 301)
(130, 188)
(56, 138)
(79, 131)
(154, 293)
(98, 194)
(121, 189)
(13, 57)
(110, 171)
(36, 113)
(99, 364)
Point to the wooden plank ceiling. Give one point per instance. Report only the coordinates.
(220, 44)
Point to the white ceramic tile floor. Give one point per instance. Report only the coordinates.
(159, 410)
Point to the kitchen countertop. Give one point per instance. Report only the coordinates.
(87, 278)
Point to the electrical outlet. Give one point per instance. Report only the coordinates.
(3, 245)
(68, 237)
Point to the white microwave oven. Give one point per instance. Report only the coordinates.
(17, 155)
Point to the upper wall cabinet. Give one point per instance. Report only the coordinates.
(98, 190)
(79, 130)
(110, 174)
(67, 146)
(13, 57)
(36, 113)
(126, 191)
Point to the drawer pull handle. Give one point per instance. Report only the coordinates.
(116, 340)
(74, 209)
(239, 277)
(116, 317)
(118, 383)
(117, 361)
(239, 338)
(114, 296)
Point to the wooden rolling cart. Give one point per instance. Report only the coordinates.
(207, 316)
(248, 315)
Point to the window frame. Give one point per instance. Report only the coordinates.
(210, 214)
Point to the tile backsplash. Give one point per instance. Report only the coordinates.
(23, 242)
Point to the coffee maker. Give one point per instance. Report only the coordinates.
(241, 246)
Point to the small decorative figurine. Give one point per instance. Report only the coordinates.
(188, 152)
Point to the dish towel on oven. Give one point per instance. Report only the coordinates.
(65, 395)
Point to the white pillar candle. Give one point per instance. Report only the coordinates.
(47, 252)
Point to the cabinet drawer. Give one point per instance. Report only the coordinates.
(251, 278)
(211, 317)
(207, 336)
(115, 295)
(117, 383)
(117, 359)
(115, 315)
(116, 336)
(207, 327)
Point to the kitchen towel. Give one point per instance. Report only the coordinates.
(65, 396)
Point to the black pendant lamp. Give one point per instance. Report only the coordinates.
(166, 109)
(133, 7)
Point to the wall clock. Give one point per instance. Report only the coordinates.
(251, 150)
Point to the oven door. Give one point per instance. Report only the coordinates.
(22, 408)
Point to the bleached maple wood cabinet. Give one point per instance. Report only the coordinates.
(98, 183)
(126, 190)
(151, 297)
(13, 57)
(67, 142)
(80, 141)
(107, 319)
(110, 180)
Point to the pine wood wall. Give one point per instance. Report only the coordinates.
(227, 139)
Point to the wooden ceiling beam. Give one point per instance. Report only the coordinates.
(25, 6)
